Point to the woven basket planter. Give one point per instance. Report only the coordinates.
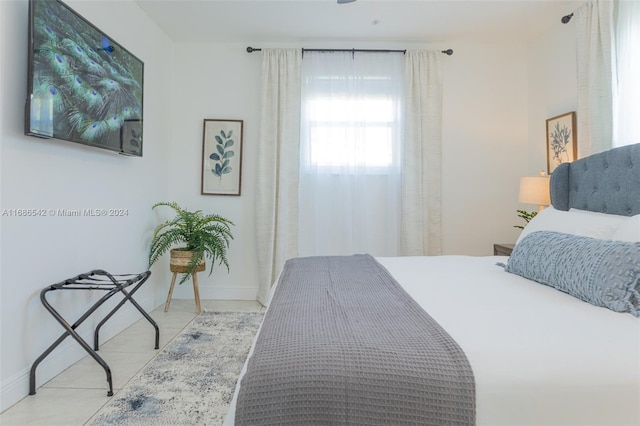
(180, 260)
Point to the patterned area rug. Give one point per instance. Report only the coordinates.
(192, 380)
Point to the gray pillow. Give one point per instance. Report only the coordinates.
(602, 272)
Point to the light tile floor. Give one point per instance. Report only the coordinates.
(75, 395)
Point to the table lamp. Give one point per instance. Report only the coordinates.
(535, 190)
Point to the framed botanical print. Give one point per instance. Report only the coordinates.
(561, 140)
(221, 157)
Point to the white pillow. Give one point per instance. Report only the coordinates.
(576, 222)
(629, 230)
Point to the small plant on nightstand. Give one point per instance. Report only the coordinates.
(527, 216)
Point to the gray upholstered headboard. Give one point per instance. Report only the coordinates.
(608, 182)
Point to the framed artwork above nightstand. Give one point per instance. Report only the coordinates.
(503, 249)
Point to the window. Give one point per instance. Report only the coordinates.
(350, 183)
(350, 132)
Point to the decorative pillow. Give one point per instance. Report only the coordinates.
(602, 272)
(629, 230)
(576, 222)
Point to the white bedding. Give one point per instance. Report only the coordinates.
(539, 356)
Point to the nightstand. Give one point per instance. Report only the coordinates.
(503, 249)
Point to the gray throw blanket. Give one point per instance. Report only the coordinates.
(343, 344)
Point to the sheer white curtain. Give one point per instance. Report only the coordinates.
(422, 170)
(350, 153)
(626, 105)
(277, 171)
(594, 26)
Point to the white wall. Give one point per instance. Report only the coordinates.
(484, 145)
(497, 98)
(217, 81)
(553, 86)
(51, 174)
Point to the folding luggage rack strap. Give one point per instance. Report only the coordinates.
(94, 280)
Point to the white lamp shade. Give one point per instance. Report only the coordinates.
(535, 190)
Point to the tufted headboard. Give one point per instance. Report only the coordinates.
(608, 182)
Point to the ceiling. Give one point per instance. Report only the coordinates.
(268, 21)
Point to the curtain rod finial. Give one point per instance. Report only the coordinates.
(565, 19)
(448, 52)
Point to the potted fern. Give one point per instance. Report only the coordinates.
(203, 236)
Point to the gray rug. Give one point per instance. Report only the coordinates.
(192, 380)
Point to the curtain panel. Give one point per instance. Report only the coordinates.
(277, 170)
(626, 93)
(359, 175)
(421, 228)
(594, 28)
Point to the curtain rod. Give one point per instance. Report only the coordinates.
(446, 52)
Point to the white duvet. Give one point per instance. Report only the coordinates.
(539, 356)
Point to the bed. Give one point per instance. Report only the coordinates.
(550, 334)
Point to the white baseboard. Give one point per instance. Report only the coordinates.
(68, 353)
(234, 293)
(216, 293)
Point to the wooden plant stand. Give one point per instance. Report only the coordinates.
(179, 261)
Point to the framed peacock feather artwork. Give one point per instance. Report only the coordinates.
(221, 157)
(83, 86)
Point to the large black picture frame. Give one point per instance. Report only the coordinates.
(83, 86)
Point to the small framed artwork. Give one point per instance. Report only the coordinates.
(221, 157)
(561, 140)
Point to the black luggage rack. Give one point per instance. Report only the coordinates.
(95, 280)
